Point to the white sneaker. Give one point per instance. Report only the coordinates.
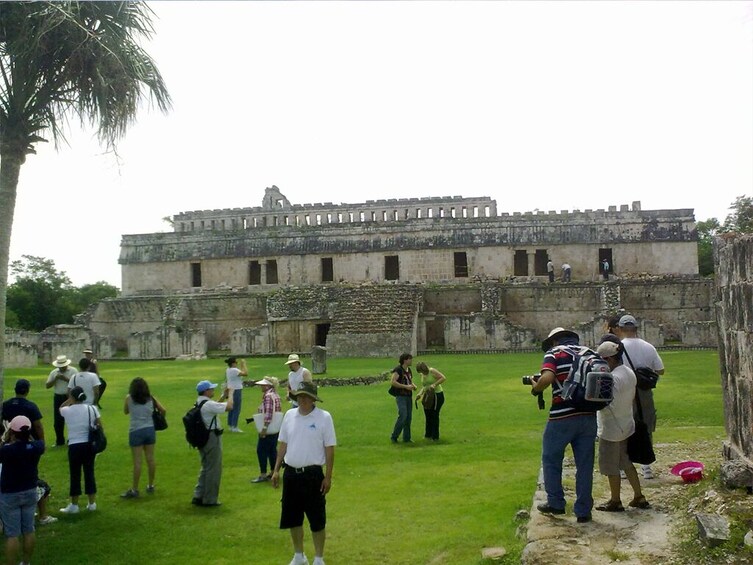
(47, 520)
(91, 507)
(647, 472)
(70, 509)
(236, 430)
(319, 561)
(298, 561)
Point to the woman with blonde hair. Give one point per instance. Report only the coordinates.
(266, 447)
(431, 381)
(139, 405)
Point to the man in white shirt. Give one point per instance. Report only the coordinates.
(58, 381)
(207, 489)
(640, 353)
(306, 443)
(615, 425)
(297, 375)
(86, 380)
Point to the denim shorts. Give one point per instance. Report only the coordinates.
(17, 512)
(143, 436)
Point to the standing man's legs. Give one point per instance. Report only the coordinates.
(555, 440)
(59, 421)
(402, 424)
(208, 488)
(583, 443)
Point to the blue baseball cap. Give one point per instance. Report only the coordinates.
(204, 386)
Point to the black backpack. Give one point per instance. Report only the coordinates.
(197, 433)
(589, 385)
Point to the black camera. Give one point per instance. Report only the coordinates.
(530, 379)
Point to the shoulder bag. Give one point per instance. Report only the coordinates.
(160, 422)
(645, 377)
(97, 438)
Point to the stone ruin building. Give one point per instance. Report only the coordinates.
(384, 276)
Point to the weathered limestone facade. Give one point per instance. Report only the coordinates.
(734, 294)
(407, 240)
(385, 276)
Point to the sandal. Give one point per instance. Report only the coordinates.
(611, 506)
(639, 502)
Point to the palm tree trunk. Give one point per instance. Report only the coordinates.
(10, 167)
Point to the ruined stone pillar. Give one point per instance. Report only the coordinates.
(318, 360)
(734, 295)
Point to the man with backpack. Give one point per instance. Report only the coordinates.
(208, 486)
(567, 425)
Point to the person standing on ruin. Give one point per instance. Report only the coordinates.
(550, 270)
(566, 272)
(297, 376)
(605, 269)
(641, 353)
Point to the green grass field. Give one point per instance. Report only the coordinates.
(430, 503)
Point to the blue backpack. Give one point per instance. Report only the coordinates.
(589, 385)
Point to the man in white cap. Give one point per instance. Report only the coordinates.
(640, 353)
(566, 426)
(306, 443)
(297, 375)
(207, 489)
(58, 381)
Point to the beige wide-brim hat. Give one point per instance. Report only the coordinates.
(268, 381)
(546, 345)
(292, 358)
(61, 361)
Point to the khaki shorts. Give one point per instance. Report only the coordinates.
(613, 457)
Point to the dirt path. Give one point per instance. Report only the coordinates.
(634, 537)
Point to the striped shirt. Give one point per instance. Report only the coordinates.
(559, 360)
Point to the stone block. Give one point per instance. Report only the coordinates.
(318, 360)
(712, 528)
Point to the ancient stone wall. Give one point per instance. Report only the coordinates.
(734, 295)
(409, 247)
(166, 342)
(19, 355)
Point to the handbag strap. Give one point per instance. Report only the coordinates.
(88, 410)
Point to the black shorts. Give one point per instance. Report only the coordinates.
(301, 494)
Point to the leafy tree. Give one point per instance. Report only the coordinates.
(741, 218)
(43, 296)
(706, 232)
(60, 60)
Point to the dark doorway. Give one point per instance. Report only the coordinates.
(321, 334)
(328, 274)
(461, 264)
(435, 334)
(254, 272)
(606, 253)
(271, 271)
(195, 274)
(391, 268)
(539, 262)
(520, 267)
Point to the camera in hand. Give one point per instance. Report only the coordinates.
(529, 380)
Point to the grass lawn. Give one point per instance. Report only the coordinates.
(430, 503)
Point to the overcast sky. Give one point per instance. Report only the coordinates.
(540, 105)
